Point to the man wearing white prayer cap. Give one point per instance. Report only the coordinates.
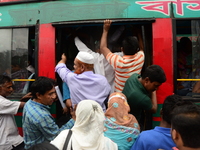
(83, 83)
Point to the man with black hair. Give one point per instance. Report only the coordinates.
(186, 127)
(10, 138)
(162, 135)
(38, 123)
(140, 90)
(132, 61)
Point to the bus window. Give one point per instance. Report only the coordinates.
(5, 51)
(188, 58)
(16, 54)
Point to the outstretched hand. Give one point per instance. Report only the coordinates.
(26, 97)
(63, 59)
(107, 24)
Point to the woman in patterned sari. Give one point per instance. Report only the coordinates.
(120, 126)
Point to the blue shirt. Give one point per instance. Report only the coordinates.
(66, 93)
(157, 138)
(39, 125)
(86, 85)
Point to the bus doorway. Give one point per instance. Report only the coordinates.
(89, 32)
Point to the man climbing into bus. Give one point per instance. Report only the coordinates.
(101, 65)
(83, 83)
(10, 138)
(141, 91)
(132, 61)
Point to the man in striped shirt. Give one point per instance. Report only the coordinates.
(132, 61)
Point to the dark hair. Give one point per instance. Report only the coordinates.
(155, 74)
(184, 42)
(168, 106)
(43, 146)
(186, 121)
(41, 86)
(130, 45)
(4, 79)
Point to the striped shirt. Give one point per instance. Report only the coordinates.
(125, 66)
(39, 125)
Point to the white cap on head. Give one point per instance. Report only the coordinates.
(85, 57)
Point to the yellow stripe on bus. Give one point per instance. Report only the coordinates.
(188, 79)
(23, 79)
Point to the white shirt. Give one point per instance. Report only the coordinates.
(9, 133)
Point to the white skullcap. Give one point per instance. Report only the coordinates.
(85, 57)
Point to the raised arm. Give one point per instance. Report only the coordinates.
(103, 45)
(62, 70)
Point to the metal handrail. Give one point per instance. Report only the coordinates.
(23, 79)
(188, 79)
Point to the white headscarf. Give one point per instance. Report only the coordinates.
(89, 125)
(87, 133)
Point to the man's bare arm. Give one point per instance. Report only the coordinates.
(21, 104)
(154, 102)
(103, 45)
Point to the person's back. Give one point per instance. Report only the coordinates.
(120, 126)
(83, 83)
(186, 126)
(87, 132)
(146, 140)
(132, 61)
(101, 65)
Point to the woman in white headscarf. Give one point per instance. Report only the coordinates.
(87, 133)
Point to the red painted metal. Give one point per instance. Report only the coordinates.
(20, 131)
(163, 54)
(156, 119)
(46, 52)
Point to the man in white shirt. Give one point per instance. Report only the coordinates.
(10, 138)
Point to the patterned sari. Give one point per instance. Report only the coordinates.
(120, 126)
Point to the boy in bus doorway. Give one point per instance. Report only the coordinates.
(132, 61)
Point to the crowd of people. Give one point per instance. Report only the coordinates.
(105, 110)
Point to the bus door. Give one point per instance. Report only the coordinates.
(90, 32)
